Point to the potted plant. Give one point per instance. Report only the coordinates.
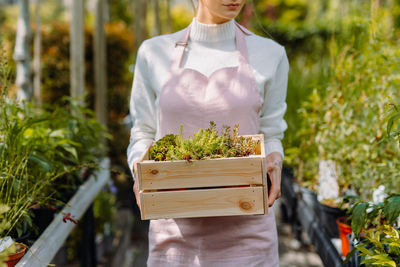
(385, 212)
(343, 121)
(236, 165)
(40, 145)
(376, 231)
(344, 226)
(11, 252)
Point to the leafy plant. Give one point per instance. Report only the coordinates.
(344, 122)
(43, 150)
(104, 209)
(365, 215)
(394, 120)
(205, 144)
(378, 238)
(380, 247)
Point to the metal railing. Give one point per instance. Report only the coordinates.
(45, 248)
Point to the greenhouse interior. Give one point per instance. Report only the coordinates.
(67, 197)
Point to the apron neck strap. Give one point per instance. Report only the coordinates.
(241, 46)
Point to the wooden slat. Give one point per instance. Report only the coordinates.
(143, 157)
(265, 185)
(203, 203)
(264, 174)
(200, 173)
(44, 249)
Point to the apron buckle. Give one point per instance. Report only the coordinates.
(181, 43)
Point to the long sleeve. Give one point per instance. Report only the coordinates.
(142, 110)
(272, 123)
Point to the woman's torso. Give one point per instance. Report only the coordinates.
(189, 97)
(263, 63)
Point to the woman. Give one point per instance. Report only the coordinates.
(214, 70)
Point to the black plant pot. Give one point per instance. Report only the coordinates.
(289, 195)
(42, 218)
(328, 216)
(25, 237)
(355, 260)
(310, 198)
(65, 195)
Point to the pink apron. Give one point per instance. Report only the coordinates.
(228, 97)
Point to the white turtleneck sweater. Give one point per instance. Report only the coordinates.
(210, 48)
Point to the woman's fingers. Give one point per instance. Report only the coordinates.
(275, 190)
(274, 169)
(136, 192)
(136, 186)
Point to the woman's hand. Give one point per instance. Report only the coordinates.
(136, 186)
(274, 171)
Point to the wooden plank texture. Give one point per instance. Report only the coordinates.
(264, 174)
(202, 203)
(265, 185)
(201, 173)
(143, 157)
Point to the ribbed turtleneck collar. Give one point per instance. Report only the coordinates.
(212, 32)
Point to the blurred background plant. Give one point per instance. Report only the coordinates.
(393, 127)
(43, 151)
(343, 110)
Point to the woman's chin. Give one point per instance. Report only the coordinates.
(227, 16)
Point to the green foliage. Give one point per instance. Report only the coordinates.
(122, 10)
(372, 224)
(367, 215)
(205, 144)
(393, 125)
(181, 17)
(359, 217)
(379, 247)
(104, 209)
(42, 152)
(314, 33)
(159, 151)
(305, 29)
(343, 122)
(391, 209)
(55, 65)
(55, 62)
(4, 224)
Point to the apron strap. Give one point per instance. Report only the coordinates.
(180, 47)
(241, 47)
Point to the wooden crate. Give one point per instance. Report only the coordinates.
(214, 187)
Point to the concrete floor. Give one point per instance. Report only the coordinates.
(292, 253)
